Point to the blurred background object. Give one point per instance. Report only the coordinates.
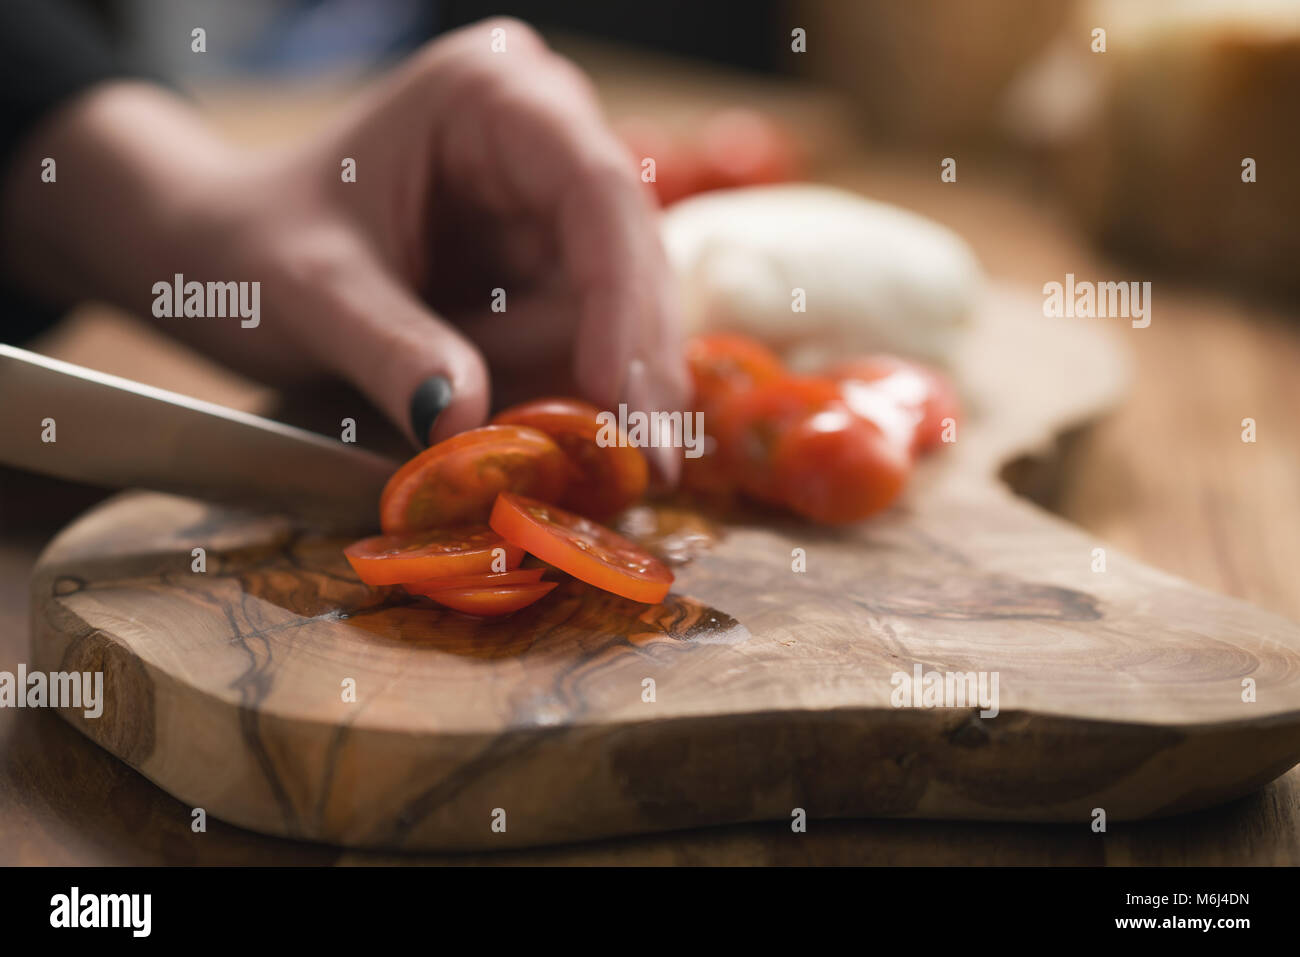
(269, 37)
(1142, 143)
(925, 72)
(1177, 145)
(304, 36)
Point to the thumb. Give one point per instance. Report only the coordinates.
(373, 330)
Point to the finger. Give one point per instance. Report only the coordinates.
(610, 250)
(374, 331)
(629, 342)
(528, 346)
(538, 326)
(615, 317)
(535, 146)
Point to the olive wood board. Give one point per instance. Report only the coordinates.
(1120, 689)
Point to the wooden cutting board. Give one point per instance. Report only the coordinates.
(1120, 689)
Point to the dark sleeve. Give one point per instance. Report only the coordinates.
(50, 50)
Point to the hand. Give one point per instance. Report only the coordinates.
(475, 171)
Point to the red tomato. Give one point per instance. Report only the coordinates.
(925, 393)
(491, 602)
(724, 363)
(587, 551)
(836, 467)
(748, 425)
(708, 475)
(898, 420)
(605, 478)
(741, 147)
(518, 576)
(392, 559)
(678, 169)
(456, 481)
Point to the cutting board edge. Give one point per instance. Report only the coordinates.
(1075, 808)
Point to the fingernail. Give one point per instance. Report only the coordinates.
(427, 402)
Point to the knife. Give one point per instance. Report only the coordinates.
(113, 432)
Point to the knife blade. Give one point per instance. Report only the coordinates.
(114, 432)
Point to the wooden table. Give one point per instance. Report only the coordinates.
(1150, 480)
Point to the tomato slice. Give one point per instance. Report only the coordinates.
(393, 559)
(518, 576)
(925, 393)
(586, 550)
(725, 363)
(748, 426)
(607, 476)
(492, 601)
(456, 481)
(836, 467)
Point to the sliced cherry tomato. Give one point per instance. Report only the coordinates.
(925, 392)
(748, 426)
(607, 474)
(456, 481)
(740, 147)
(725, 363)
(393, 559)
(837, 467)
(519, 576)
(492, 601)
(587, 551)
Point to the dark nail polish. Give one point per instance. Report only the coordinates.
(427, 402)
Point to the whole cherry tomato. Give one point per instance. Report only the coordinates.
(723, 363)
(836, 467)
(927, 394)
(750, 424)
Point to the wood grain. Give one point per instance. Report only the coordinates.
(1119, 690)
(1152, 478)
